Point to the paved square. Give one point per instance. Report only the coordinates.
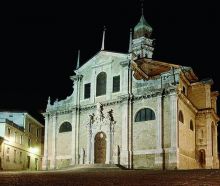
(110, 177)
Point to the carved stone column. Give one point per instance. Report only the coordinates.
(73, 137)
(79, 78)
(159, 122)
(127, 117)
(53, 159)
(89, 136)
(108, 141)
(76, 121)
(92, 149)
(159, 156)
(124, 134)
(215, 139)
(174, 137)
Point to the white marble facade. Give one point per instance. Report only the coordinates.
(110, 128)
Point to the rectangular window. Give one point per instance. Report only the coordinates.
(21, 139)
(87, 90)
(184, 90)
(29, 142)
(9, 132)
(29, 127)
(15, 156)
(15, 137)
(20, 157)
(8, 150)
(116, 83)
(37, 132)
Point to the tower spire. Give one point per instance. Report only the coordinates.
(142, 7)
(103, 39)
(130, 41)
(78, 60)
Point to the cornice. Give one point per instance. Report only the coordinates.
(209, 111)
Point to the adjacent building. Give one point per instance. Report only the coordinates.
(131, 110)
(21, 141)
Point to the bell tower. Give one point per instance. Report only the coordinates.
(142, 45)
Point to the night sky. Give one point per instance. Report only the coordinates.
(40, 43)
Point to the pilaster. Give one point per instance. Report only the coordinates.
(159, 156)
(54, 124)
(109, 83)
(173, 154)
(73, 137)
(45, 160)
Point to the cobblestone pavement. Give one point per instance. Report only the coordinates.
(106, 177)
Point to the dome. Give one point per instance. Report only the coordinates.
(142, 28)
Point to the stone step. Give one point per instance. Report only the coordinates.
(94, 166)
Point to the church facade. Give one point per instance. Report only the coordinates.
(130, 110)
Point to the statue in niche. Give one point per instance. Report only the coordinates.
(109, 115)
(91, 118)
(82, 156)
(116, 154)
(48, 101)
(99, 114)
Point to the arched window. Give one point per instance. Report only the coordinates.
(145, 114)
(191, 125)
(65, 127)
(101, 84)
(181, 119)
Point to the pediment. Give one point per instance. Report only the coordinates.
(103, 58)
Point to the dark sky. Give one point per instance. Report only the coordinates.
(41, 42)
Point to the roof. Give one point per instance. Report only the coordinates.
(143, 24)
(146, 68)
(94, 56)
(24, 113)
(9, 122)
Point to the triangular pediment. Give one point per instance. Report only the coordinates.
(102, 58)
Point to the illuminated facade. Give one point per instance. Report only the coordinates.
(21, 142)
(129, 109)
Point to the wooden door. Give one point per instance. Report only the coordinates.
(100, 148)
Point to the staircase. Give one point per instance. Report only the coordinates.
(93, 167)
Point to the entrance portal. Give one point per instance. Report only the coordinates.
(100, 148)
(202, 158)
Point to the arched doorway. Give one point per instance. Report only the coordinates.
(100, 148)
(202, 158)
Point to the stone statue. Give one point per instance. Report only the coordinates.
(109, 115)
(82, 156)
(91, 118)
(48, 101)
(99, 114)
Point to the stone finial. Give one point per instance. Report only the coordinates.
(103, 39)
(48, 101)
(142, 7)
(99, 114)
(78, 60)
(130, 41)
(109, 115)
